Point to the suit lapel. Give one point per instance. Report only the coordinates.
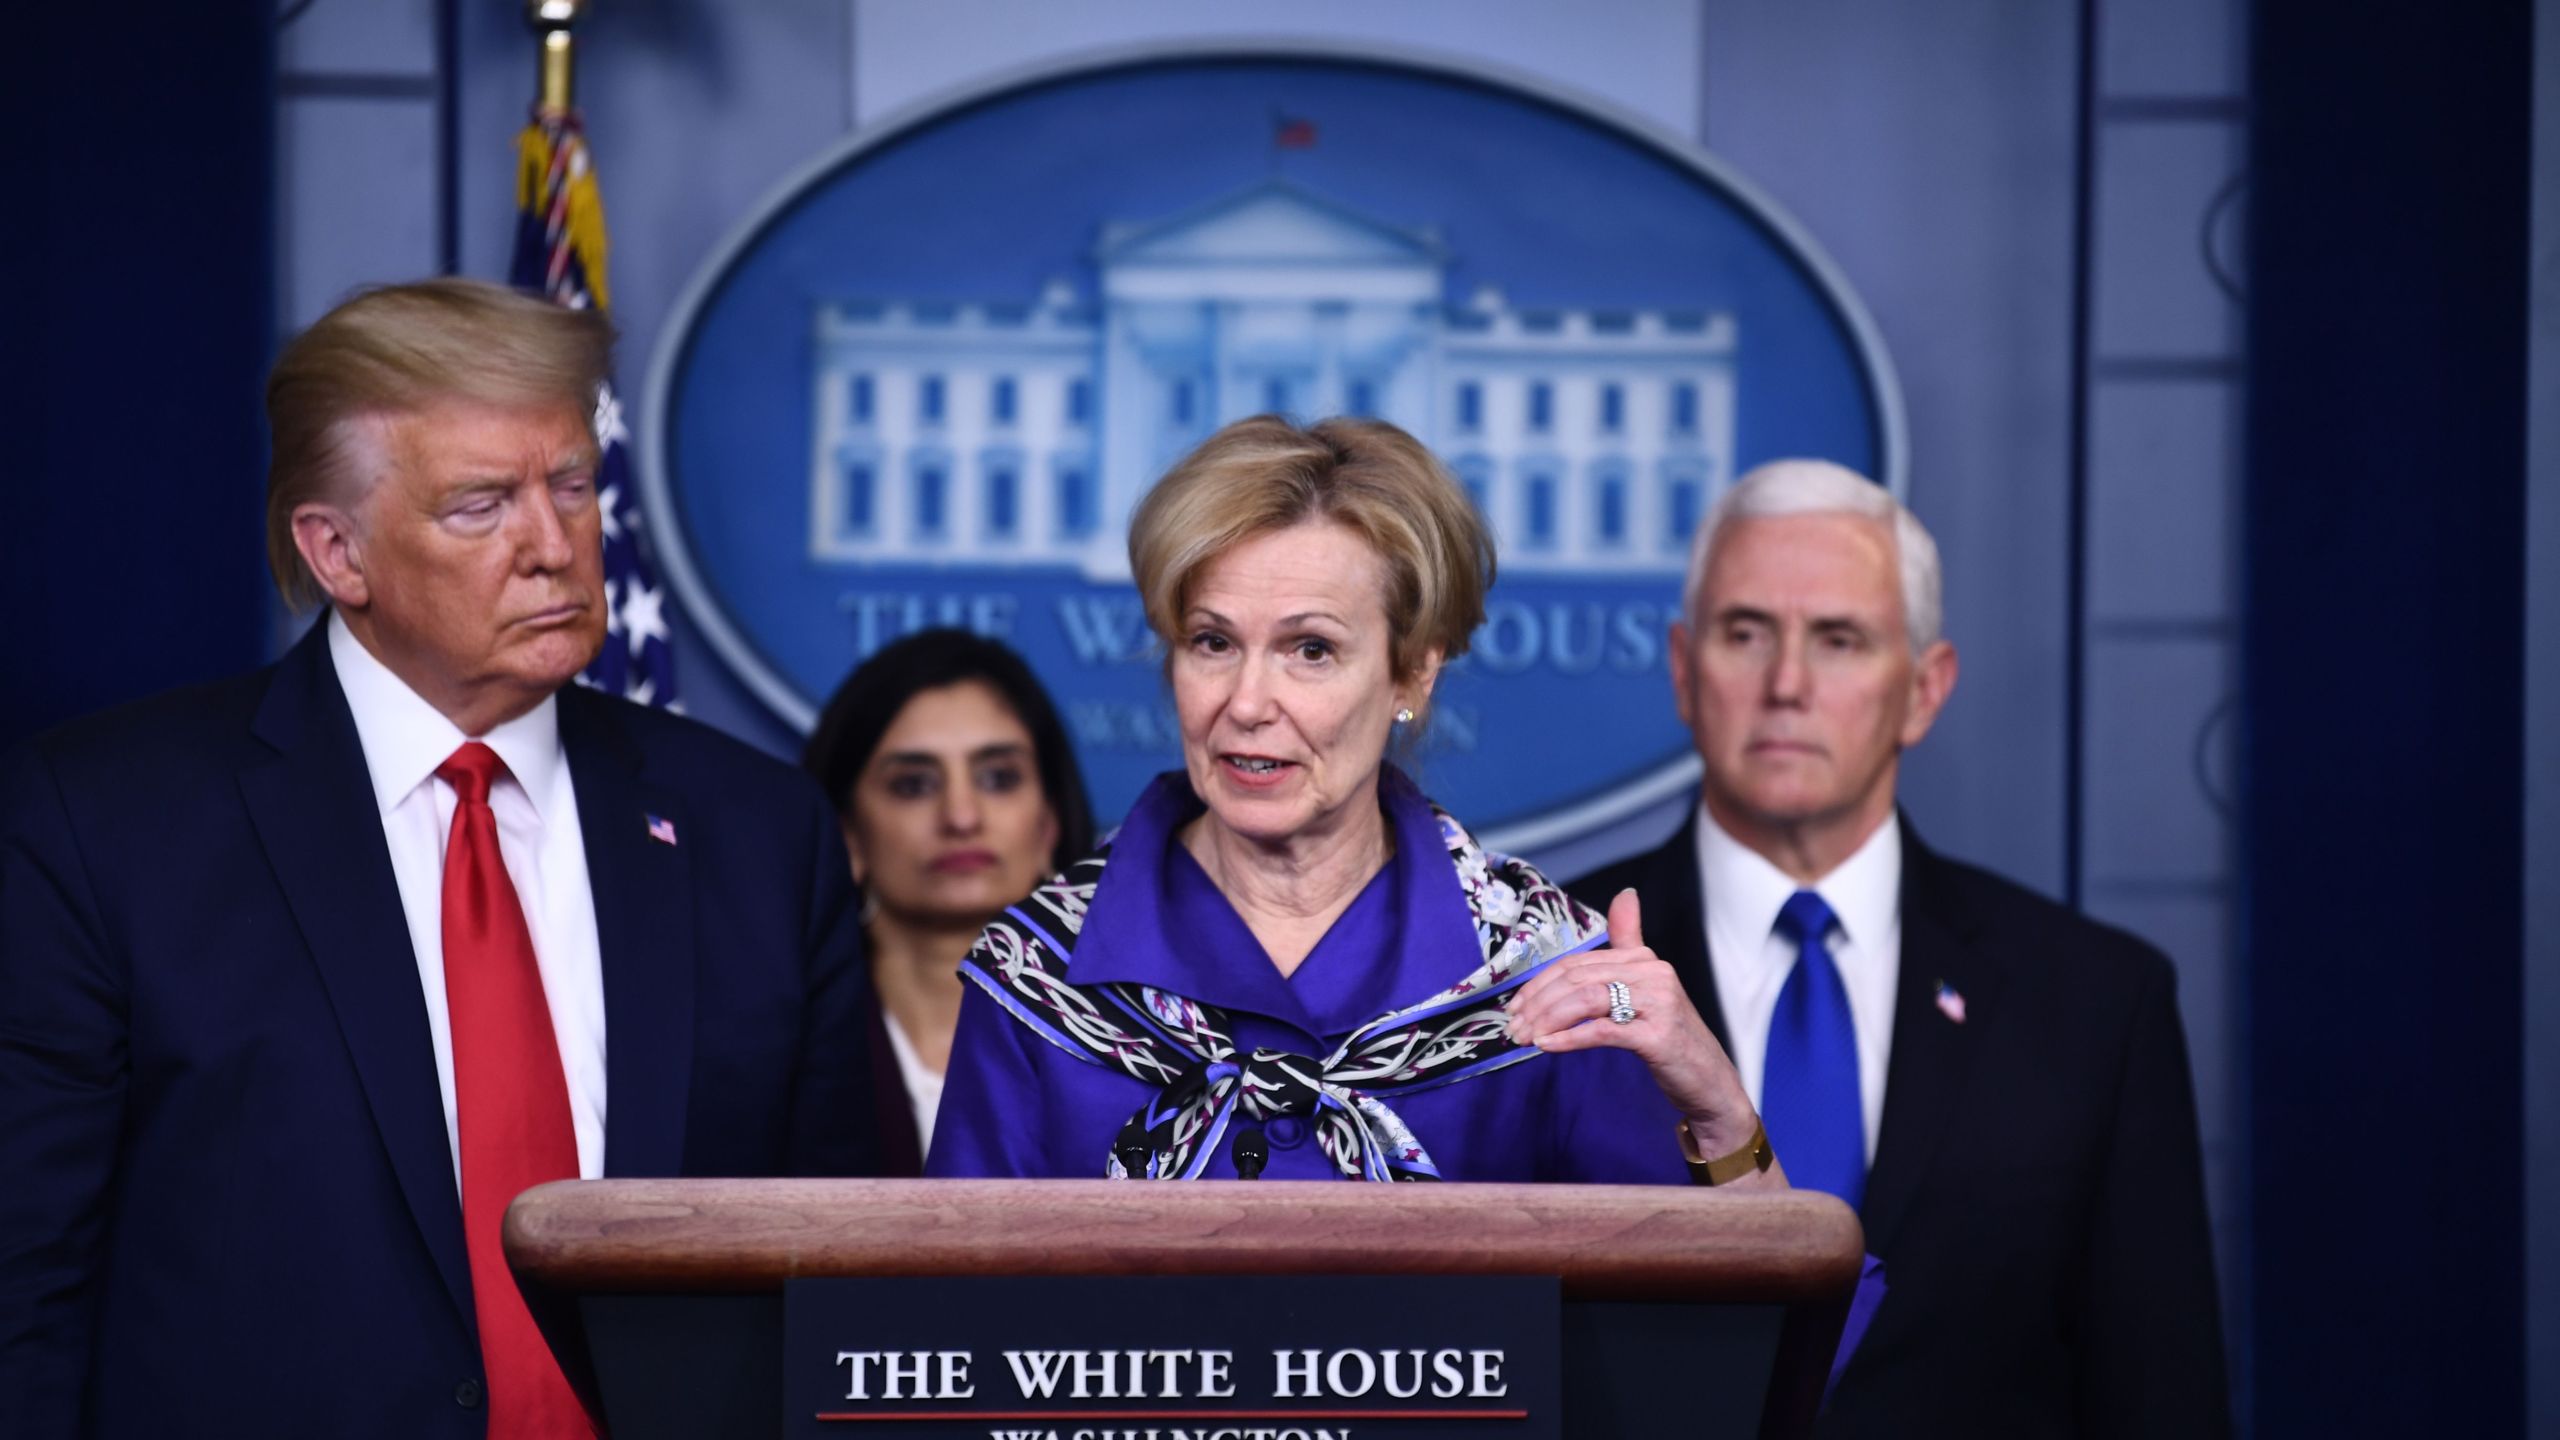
(639, 870)
(313, 807)
(1932, 1053)
(1675, 922)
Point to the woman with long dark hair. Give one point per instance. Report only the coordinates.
(958, 793)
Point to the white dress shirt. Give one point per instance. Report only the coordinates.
(1751, 957)
(924, 1085)
(405, 739)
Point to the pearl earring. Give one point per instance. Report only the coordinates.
(1404, 717)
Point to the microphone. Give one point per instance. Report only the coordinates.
(1252, 1153)
(1136, 1156)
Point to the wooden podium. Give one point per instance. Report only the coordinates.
(1686, 1312)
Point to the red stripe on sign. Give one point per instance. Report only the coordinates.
(911, 1416)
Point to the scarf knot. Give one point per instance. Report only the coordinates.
(1185, 1048)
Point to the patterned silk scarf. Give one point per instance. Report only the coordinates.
(1187, 1050)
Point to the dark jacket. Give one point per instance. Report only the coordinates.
(2038, 1191)
(229, 1202)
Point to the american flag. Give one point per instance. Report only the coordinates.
(560, 252)
(1950, 1004)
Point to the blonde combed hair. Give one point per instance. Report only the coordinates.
(1265, 473)
(391, 350)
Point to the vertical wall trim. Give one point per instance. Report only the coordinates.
(2384, 825)
(1706, 10)
(2541, 897)
(2075, 682)
(186, 104)
(448, 137)
(845, 52)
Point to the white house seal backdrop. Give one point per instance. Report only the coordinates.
(926, 383)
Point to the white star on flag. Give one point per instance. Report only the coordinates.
(609, 427)
(642, 617)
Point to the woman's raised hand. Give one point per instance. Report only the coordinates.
(1566, 1007)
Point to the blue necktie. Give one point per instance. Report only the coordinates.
(1809, 1086)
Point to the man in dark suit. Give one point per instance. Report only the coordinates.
(304, 974)
(1998, 1085)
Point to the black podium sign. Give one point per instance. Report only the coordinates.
(1267, 1357)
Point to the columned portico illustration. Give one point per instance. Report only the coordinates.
(1024, 433)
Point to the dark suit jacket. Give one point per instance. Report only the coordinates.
(229, 1203)
(893, 1115)
(2038, 1192)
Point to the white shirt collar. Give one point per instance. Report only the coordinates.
(1863, 891)
(405, 738)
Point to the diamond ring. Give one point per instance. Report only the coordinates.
(1622, 1005)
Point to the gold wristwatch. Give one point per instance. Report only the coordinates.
(1751, 1159)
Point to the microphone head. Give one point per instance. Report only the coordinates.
(1253, 1151)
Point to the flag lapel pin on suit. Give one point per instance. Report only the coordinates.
(663, 830)
(1950, 1003)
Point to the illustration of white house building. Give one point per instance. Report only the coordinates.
(1022, 433)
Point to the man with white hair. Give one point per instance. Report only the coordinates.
(1999, 1086)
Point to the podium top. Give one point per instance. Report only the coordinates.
(1607, 1242)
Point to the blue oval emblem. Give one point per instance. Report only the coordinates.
(926, 383)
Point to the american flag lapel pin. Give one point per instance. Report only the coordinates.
(663, 830)
(1950, 1003)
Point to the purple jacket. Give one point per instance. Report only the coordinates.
(1017, 1104)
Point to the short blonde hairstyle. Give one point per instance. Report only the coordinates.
(391, 350)
(1264, 474)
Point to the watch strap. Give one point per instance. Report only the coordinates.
(1753, 1158)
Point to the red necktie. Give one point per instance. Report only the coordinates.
(510, 1101)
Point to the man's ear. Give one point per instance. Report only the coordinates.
(1933, 679)
(1679, 640)
(332, 546)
